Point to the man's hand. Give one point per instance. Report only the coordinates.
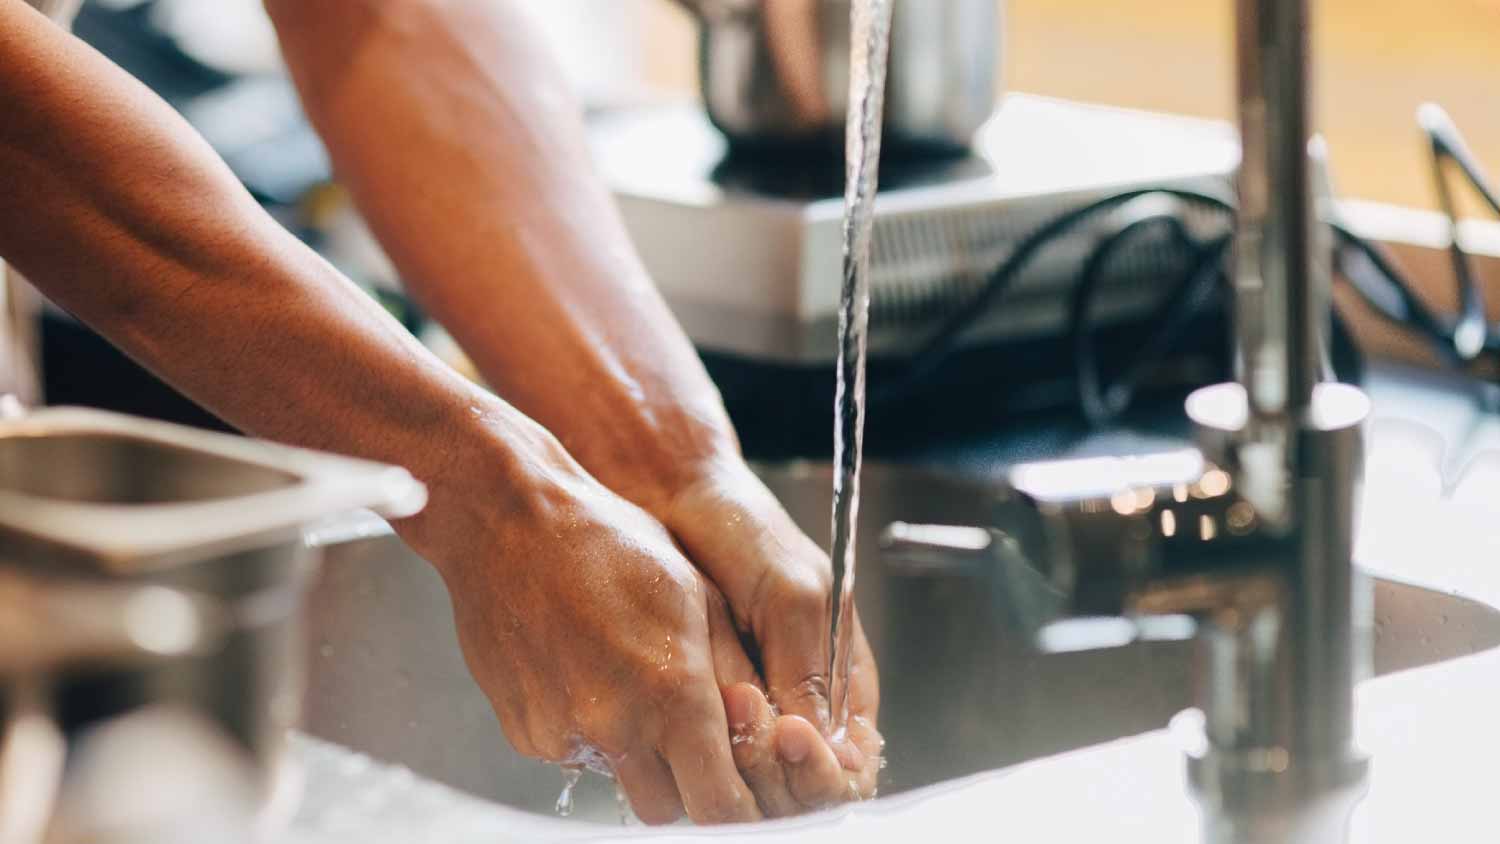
(787, 762)
(482, 192)
(597, 642)
(777, 583)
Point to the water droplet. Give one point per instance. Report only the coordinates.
(884, 763)
(571, 775)
(326, 651)
(1442, 619)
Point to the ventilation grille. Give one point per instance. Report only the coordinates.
(929, 265)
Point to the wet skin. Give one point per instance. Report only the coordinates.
(609, 554)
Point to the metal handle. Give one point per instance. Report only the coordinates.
(1030, 600)
(347, 527)
(936, 549)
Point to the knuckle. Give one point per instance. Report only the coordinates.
(664, 686)
(806, 593)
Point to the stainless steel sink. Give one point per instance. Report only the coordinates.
(960, 695)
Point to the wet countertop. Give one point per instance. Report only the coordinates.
(1429, 519)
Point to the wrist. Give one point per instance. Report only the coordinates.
(665, 454)
(483, 467)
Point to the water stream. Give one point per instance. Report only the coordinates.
(870, 28)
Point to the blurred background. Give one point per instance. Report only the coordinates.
(1376, 61)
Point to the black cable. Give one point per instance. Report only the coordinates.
(1471, 330)
(1385, 289)
(1170, 321)
(1370, 271)
(945, 339)
(1088, 372)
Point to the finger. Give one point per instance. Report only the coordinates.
(813, 772)
(775, 578)
(795, 649)
(648, 783)
(696, 746)
(731, 664)
(866, 776)
(752, 730)
(850, 755)
(513, 725)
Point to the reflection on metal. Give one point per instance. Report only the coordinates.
(150, 563)
(774, 73)
(1207, 527)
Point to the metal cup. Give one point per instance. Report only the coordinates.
(775, 73)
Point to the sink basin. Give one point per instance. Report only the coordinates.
(959, 694)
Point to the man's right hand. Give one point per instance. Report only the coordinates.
(589, 631)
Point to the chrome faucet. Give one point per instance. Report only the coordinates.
(1244, 542)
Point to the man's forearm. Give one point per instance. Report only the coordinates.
(464, 149)
(120, 213)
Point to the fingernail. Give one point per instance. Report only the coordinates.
(739, 707)
(793, 746)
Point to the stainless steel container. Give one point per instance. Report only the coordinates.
(775, 73)
(95, 503)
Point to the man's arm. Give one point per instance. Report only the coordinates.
(118, 211)
(126, 218)
(464, 149)
(463, 145)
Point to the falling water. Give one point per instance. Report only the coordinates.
(870, 25)
(571, 775)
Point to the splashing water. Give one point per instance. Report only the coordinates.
(571, 775)
(622, 802)
(870, 25)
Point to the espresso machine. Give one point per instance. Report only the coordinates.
(735, 201)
